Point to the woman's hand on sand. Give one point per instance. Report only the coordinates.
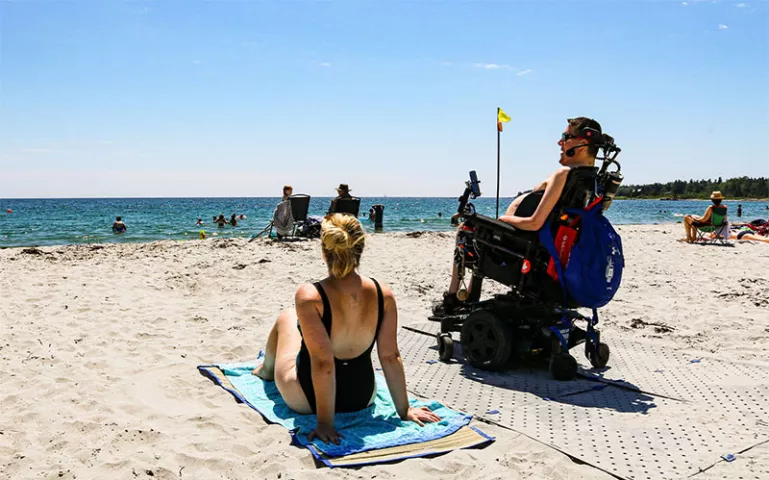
(325, 433)
(421, 415)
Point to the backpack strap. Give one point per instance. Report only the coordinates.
(546, 237)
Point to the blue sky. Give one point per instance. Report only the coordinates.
(236, 98)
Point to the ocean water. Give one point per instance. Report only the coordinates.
(70, 221)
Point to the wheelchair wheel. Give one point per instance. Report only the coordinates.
(445, 347)
(486, 341)
(600, 356)
(563, 366)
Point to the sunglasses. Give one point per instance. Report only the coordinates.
(567, 136)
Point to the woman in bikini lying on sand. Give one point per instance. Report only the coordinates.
(319, 353)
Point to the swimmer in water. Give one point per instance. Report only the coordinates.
(119, 227)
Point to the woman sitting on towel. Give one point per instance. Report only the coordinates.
(319, 353)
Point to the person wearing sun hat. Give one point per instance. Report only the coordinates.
(343, 191)
(692, 222)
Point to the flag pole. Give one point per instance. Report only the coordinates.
(498, 135)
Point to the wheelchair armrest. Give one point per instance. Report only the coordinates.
(493, 223)
(501, 237)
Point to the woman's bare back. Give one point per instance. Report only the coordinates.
(354, 315)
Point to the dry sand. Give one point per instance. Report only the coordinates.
(99, 344)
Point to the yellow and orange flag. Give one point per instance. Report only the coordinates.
(502, 117)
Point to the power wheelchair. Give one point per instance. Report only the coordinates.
(530, 322)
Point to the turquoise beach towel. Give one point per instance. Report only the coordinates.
(375, 427)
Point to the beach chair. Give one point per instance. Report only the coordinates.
(717, 229)
(300, 205)
(289, 217)
(350, 206)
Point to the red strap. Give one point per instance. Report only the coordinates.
(564, 240)
(595, 202)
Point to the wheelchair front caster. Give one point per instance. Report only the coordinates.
(445, 347)
(599, 357)
(563, 366)
(486, 341)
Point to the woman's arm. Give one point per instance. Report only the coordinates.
(392, 364)
(708, 213)
(318, 343)
(390, 356)
(552, 193)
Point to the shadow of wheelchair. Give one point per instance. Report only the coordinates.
(533, 378)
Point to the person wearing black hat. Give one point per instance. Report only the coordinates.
(343, 191)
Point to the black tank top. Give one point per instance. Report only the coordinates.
(355, 382)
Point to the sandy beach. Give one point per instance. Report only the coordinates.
(99, 346)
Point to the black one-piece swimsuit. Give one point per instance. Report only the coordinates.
(355, 382)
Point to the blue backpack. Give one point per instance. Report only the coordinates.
(594, 270)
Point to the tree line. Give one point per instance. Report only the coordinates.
(740, 187)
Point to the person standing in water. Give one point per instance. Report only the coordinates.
(119, 227)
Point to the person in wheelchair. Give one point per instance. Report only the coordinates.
(530, 210)
(556, 251)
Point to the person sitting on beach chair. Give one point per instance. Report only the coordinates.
(322, 370)
(530, 210)
(712, 221)
(344, 202)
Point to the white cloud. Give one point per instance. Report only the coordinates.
(721, 26)
(742, 5)
(197, 62)
(685, 4)
(447, 64)
(525, 72)
(492, 66)
(322, 64)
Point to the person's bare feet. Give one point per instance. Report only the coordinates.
(262, 373)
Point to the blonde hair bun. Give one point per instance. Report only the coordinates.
(342, 240)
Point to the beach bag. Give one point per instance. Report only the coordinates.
(591, 273)
(311, 228)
